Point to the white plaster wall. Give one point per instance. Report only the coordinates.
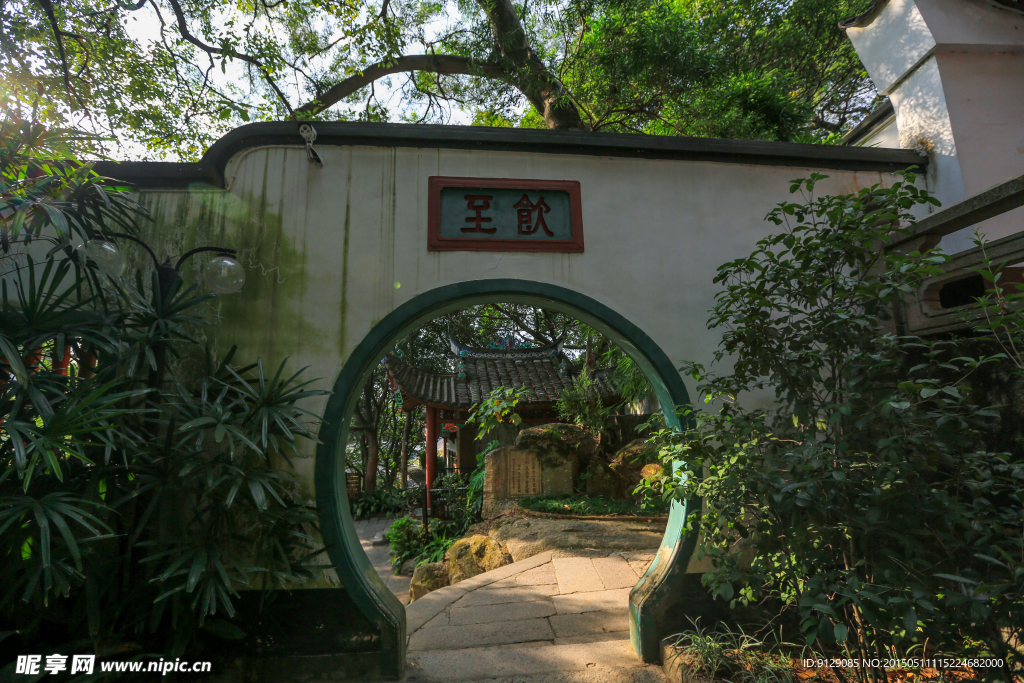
(887, 136)
(897, 48)
(923, 123)
(954, 70)
(893, 43)
(985, 96)
(971, 25)
(655, 233)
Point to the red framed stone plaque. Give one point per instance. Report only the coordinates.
(504, 214)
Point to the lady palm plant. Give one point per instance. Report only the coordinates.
(133, 507)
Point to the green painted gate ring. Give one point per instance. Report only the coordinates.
(648, 599)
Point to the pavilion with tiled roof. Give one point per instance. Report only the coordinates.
(449, 397)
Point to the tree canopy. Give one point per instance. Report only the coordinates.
(170, 76)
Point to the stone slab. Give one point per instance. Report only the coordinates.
(524, 661)
(504, 573)
(639, 567)
(593, 638)
(486, 614)
(507, 595)
(504, 583)
(429, 606)
(440, 620)
(640, 674)
(614, 572)
(606, 621)
(576, 574)
(580, 552)
(595, 601)
(539, 576)
(474, 635)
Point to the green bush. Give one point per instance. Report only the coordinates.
(732, 655)
(384, 503)
(864, 501)
(442, 534)
(406, 539)
(581, 404)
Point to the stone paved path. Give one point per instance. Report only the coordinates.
(557, 617)
(378, 555)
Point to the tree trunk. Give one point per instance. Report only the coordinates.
(525, 69)
(514, 61)
(403, 459)
(372, 455)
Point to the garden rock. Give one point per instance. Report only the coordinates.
(407, 568)
(426, 578)
(636, 454)
(526, 537)
(602, 480)
(652, 471)
(475, 555)
(565, 440)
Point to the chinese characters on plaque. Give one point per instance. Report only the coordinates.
(523, 474)
(484, 214)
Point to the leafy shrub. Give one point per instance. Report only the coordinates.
(442, 534)
(581, 404)
(733, 655)
(497, 410)
(863, 501)
(406, 540)
(384, 503)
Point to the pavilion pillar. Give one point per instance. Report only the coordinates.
(431, 450)
(467, 448)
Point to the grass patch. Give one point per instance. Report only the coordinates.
(590, 505)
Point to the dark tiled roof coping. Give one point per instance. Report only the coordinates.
(210, 170)
(542, 376)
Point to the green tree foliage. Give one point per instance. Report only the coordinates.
(172, 75)
(131, 513)
(864, 502)
(378, 428)
(749, 69)
(582, 405)
(497, 410)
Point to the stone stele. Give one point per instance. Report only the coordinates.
(512, 473)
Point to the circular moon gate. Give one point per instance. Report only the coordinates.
(656, 603)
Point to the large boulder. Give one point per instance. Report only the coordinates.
(637, 453)
(558, 440)
(634, 462)
(474, 555)
(653, 471)
(427, 577)
(602, 480)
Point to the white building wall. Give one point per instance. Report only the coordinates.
(333, 250)
(954, 70)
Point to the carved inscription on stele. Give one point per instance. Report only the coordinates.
(523, 473)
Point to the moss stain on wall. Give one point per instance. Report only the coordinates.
(342, 343)
(266, 317)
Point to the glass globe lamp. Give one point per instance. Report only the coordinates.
(106, 255)
(224, 275)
